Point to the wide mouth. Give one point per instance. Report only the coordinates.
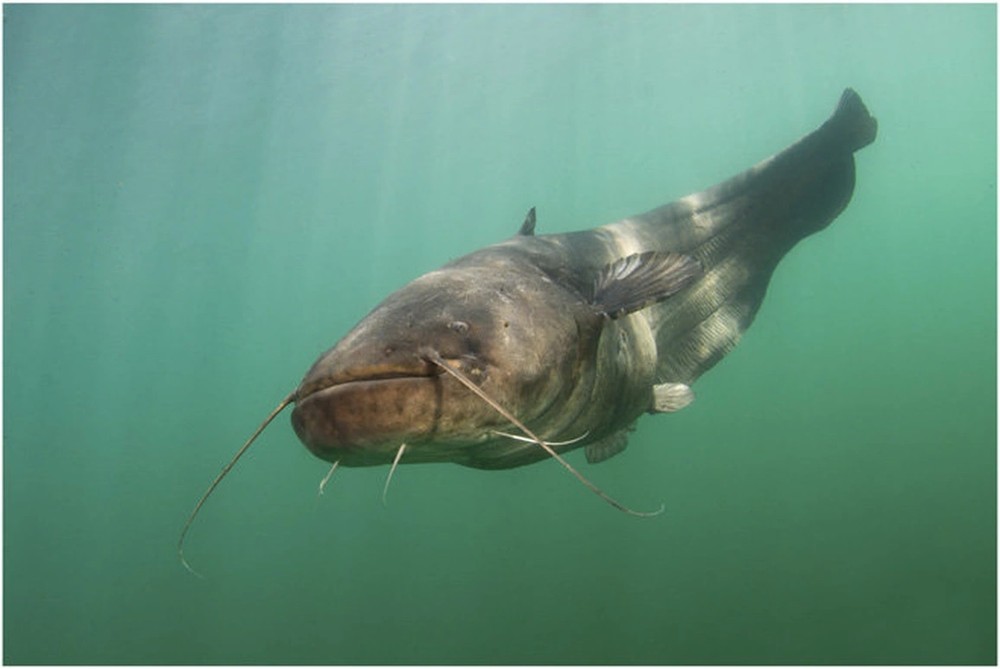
(362, 415)
(364, 422)
(422, 369)
(363, 384)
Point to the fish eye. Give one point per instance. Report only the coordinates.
(461, 327)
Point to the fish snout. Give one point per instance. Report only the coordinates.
(363, 422)
(361, 416)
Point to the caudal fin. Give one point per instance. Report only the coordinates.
(851, 121)
(740, 229)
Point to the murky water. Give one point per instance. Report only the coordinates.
(200, 199)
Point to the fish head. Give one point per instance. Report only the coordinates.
(516, 334)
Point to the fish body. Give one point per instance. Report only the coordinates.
(541, 344)
(578, 334)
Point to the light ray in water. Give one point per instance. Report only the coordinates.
(326, 479)
(399, 455)
(433, 356)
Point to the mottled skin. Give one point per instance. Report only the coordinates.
(519, 319)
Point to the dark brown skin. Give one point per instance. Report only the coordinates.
(539, 345)
(518, 319)
(523, 339)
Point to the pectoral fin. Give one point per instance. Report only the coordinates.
(670, 397)
(608, 447)
(640, 280)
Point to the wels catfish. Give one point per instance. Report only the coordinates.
(542, 344)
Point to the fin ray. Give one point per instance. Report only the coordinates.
(640, 280)
(606, 448)
(670, 397)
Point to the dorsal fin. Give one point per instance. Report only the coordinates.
(528, 227)
(640, 280)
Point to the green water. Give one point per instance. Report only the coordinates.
(200, 199)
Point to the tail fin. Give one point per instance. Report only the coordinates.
(740, 229)
(851, 121)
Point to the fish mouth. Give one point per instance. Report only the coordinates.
(363, 420)
(418, 369)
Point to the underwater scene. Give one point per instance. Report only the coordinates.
(199, 200)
